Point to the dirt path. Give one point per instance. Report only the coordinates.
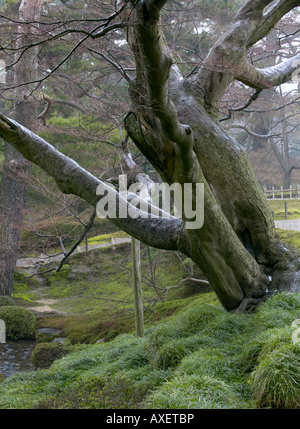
(293, 224)
(45, 259)
(30, 265)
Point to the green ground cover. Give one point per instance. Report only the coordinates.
(200, 357)
(193, 355)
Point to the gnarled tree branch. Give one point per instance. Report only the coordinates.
(269, 76)
(155, 62)
(227, 59)
(72, 179)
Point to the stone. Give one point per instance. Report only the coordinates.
(60, 340)
(49, 331)
(2, 331)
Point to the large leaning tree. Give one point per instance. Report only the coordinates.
(173, 122)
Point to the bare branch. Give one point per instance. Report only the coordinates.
(39, 81)
(253, 97)
(271, 17)
(87, 227)
(227, 58)
(47, 109)
(116, 65)
(253, 134)
(49, 101)
(268, 77)
(88, 34)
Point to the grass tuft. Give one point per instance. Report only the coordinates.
(276, 380)
(195, 391)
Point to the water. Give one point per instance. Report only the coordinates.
(15, 356)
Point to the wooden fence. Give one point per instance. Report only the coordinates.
(282, 193)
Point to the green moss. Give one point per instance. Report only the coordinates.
(290, 237)
(91, 328)
(6, 300)
(45, 338)
(60, 275)
(24, 287)
(97, 393)
(99, 298)
(20, 322)
(44, 354)
(106, 238)
(60, 291)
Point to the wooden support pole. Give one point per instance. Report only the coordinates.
(286, 209)
(137, 290)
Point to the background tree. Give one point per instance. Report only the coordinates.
(72, 86)
(14, 183)
(270, 122)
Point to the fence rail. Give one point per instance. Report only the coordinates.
(275, 194)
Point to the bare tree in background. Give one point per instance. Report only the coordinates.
(14, 183)
(271, 121)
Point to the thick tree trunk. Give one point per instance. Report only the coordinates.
(14, 183)
(229, 264)
(230, 175)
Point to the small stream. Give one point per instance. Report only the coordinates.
(15, 356)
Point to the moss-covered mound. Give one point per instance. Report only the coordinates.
(45, 353)
(6, 301)
(20, 322)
